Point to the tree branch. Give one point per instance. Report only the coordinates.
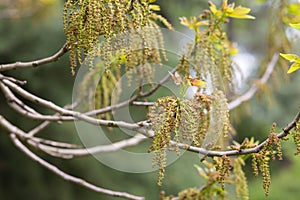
(139, 126)
(69, 177)
(69, 113)
(135, 97)
(2, 77)
(44, 124)
(36, 63)
(16, 103)
(143, 103)
(253, 89)
(256, 149)
(71, 152)
(68, 150)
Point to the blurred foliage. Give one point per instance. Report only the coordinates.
(293, 58)
(39, 33)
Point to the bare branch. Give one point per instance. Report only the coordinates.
(142, 103)
(11, 128)
(71, 152)
(16, 103)
(53, 143)
(69, 113)
(36, 63)
(12, 80)
(68, 150)
(16, 132)
(253, 89)
(46, 123)
(69, 177)
(39, 128)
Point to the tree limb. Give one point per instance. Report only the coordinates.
(36, 63)
(70, 113)
(69, 177)
(68, 150)
(135, 97)
(138, 126)
(71, 152)
(256, 149)
(253, 89)
(44, 124)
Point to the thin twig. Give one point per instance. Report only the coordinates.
(12, 80)
(142, 103)
(71, 152)
(16, 103)
(54, 143)
(70, 113)
(135, 97)
(253, 89)
(256, 149)
(44, 124)
(36, 63)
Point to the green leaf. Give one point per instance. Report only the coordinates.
(294, 67)
(239, 12)
(296, 25)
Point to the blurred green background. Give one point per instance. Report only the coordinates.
(38, 32)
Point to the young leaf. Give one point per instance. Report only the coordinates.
(294, 59)
(239, 12)
(291, 57)
(293, 68)
(296, 25)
